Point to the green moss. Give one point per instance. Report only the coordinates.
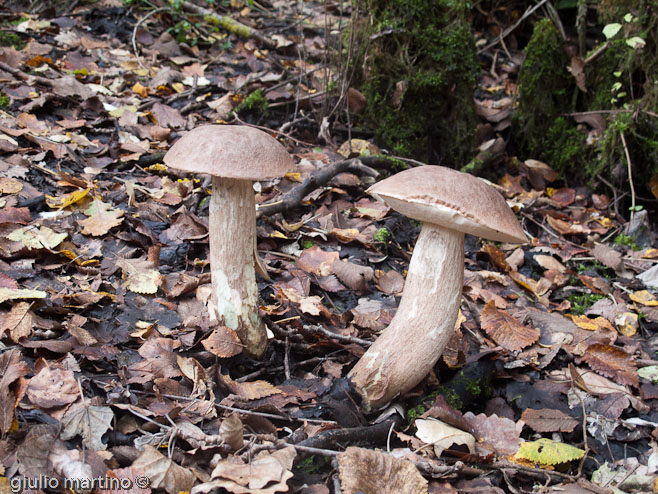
(256, 101)
(627, 241)
(621, 83)
(419, 74)
(452, 397)
(544, 90)
(313, 465)
(5, 101)
(383, 235)
(307, 244)
(11, 39)
(580, 302)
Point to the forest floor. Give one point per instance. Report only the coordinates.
(111, 369)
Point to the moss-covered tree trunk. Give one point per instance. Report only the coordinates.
(419, 70)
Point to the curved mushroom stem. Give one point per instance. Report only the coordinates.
(409, 347)
(232, 230)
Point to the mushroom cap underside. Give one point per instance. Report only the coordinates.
(230, 151)
(452, 199)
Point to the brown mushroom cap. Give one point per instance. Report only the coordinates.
(230, 151)
(451, 199)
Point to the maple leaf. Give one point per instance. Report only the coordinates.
(506, 330)
(101, 218)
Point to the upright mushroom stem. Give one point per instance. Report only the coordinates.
(410, 346)
(232, 229)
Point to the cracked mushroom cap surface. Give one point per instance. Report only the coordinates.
(230, 151)
(451, 199)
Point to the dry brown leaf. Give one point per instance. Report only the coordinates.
(391, 282)
(89, 422)
(612, 362)
(501, 433)
(566, 228)
(364, 470)
(101, 218)
(223, 342)
(352, 275)
(317, 261)
(608, 256)
(11, 369)
(254, 390)
(506, 330)
(549, 262)
(163, 472)
(542, 168)
(548, 420)
(232, 431)
(266, 474)
(564, 197)
(53, 388)
(18, 322)
(497, 257)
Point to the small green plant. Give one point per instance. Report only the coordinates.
(307, 244)
(383, 235)
(4, 102)
(11, 39)
(580, 302)
(627, 241)
(313, 465)
(255, 101)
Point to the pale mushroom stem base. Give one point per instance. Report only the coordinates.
(232, 229)
(409, 347)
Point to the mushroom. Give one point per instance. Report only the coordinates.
(235, 156)
(450, 204)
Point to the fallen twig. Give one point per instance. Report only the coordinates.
(231, 25)
(293, 198)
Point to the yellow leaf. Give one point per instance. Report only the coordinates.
(584, 322)
(294, 176)
(547, 452)
(140, 90)
(178, 87)
(67, 199)
(627, 323)
(644, 297)
(277, 234)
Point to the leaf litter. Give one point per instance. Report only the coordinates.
(106, 343)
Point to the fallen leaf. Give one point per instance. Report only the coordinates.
(223, 342)
(611, 362)
(101, 218)
(364, 470)
(163, 472)
(89, 422)
(442, 436)
(140, 276)
(547, 452)
(548, 420)
(644, 297)
(505, 329)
